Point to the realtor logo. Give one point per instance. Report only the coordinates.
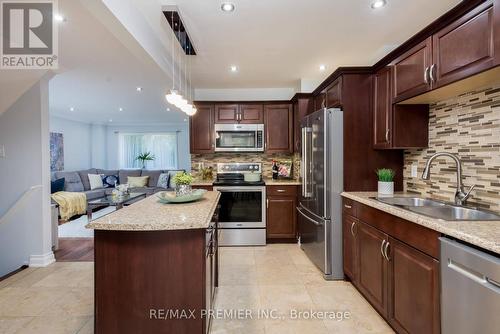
(29, 35)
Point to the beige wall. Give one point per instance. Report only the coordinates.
(469, 126)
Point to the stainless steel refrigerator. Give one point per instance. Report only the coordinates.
(320, 210)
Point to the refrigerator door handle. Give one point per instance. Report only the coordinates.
(306, 164)
(309, 218)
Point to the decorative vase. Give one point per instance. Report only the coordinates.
(385, 188)
(183, 189)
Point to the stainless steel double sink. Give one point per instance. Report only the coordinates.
(437, 209)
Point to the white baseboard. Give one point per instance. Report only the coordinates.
(42, 260)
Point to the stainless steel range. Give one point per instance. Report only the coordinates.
(242, 215)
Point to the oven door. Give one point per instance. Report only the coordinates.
(242, 207)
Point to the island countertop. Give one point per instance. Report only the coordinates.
(484, 234)
(151, 215)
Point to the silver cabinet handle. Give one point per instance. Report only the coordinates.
(431, 72)
(347, 206)
(426, 75)
(352, 229)
(267, 203)
(280, 190)
(386, 255)
(387, 135)
(382, 248)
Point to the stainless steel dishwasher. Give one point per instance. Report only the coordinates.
(470, 289)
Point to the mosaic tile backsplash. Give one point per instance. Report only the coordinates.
(211, 160)
(469, 126)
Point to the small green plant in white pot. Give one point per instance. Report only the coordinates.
(385, 181)
(183, 182)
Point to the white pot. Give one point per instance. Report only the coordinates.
(385, 188)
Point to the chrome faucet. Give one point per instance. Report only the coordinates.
(460, 195)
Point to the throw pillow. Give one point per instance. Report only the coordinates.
(110, 180)
(137, 181)
(163, 180)
(57, 185)
(95, 181)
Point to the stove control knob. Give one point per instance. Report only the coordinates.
(251, 167)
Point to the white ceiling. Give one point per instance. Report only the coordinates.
(100, 74)
(275, 43)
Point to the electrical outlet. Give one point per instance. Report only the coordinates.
(2, 151)
(414, 171)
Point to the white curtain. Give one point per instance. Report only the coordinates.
(162, 145)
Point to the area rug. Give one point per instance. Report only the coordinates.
(76, 228)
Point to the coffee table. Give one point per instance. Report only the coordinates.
(109, 200)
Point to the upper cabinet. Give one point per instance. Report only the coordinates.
(302, 106)
(226, 113)
(465, 47)
(278, 120)
(382, 109)
(201, 126)
(334, 94)
(251, 113)
(410, 71)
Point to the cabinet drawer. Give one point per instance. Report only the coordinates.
(349, 207)
(284, 190)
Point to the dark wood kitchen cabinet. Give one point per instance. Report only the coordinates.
(465, 47)
(226, 113)
(411, 270)
(397, 126)
(278, 120)
(281, 214)
(394, 264)
(334, 94)
(372, 270)
(251, 114)
(302, 106)
(201, 130)
(410, 71)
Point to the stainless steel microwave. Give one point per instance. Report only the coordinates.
(239, 137)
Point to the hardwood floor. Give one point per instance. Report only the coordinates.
(75, 249)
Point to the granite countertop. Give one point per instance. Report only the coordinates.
(150, 215)
(484, 234)
(200, 182)
(281, 182)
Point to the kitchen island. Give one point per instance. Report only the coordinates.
(156, 267)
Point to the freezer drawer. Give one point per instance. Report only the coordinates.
(470, 289)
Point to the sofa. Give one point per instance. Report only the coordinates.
(78, 181)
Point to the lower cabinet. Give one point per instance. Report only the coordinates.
(281, 215)
(372, 266)
(400, 281)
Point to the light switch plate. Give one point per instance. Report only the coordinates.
(414, 171)
(2, 151)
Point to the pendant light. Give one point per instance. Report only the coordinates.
(173, 97)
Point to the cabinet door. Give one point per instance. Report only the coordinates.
(320, 101)
(465, 47)
(201, 126)
(372, 278)
(251, 113)
(281, 217)
(349, 247)
(382, 115)
(226, 113)
(301, 108)
(279, 128)
(334, 94)
(413, 290)
(409, 71)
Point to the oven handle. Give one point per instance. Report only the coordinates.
(240, 189)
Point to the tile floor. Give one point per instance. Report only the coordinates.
(278, 278)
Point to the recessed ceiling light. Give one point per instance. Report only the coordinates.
(59, 18)
(110, 120)
(322, 67)
(120, 109)
(71, 109)
(227, 7)
(379, 4)
(139, 89)
(168, 109)
(234, 68)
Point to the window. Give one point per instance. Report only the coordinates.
(163, 146)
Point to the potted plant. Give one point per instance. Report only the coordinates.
(183, 182)
(385, 181)
(143, 157)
